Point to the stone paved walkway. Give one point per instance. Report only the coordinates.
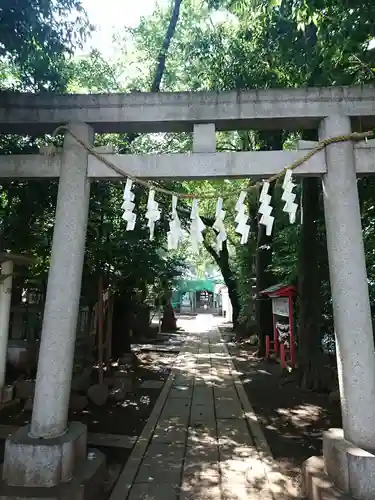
(202, 440)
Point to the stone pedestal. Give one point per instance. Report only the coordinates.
(55, 468)
(345, 471)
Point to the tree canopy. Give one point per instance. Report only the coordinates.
(194, 45)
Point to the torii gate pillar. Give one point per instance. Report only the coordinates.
(349, 453)
(50, 453)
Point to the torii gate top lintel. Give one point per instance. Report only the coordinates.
(142, 112)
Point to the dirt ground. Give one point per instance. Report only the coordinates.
(127, 417)
(292, 420)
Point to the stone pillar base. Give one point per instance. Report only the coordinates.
(58, 468)
(345, 472)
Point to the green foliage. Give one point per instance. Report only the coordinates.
(218, 45)
(35, 37)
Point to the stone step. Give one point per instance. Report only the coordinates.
(316, 484)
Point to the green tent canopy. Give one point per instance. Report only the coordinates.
(184, 286)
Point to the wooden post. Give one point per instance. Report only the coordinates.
(282, 355)
(275, 335)
(291, 332)
(267, 346)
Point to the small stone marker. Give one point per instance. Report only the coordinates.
(127, 359)
(109, 381)
(25, 389)
(98, 394)
(117, 394)
(82, 381)
(123, 383)
(29, 404)
(78, 402)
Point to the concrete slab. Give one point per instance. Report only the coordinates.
(181, 391)
(162, 463)
(170, 431)
(176, 407)
(111, 440)
(202, 414)
(228, 408)
(151, 491)
(93, 438)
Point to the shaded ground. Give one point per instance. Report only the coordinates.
(126, 417)
(292, 420)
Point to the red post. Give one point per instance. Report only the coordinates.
(275, 335)
(282, 355)
(291, 332)
(267, 346)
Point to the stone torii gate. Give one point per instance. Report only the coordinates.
(50, 452)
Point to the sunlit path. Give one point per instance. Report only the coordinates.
(202, 440)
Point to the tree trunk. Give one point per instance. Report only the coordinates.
(312, 372)
(141, 326)
(160, 67)
(123, 317)
(222, 260)
(168, 322)
(264, 279)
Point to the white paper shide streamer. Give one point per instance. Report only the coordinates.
(265, 209)
(175, 233)
(219, 225)
(288, 196)
(128, 206)
(241, 218)
(153, 213)
(196, 227)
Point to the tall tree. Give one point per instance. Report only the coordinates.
(37, 35)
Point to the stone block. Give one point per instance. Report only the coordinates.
(151, 491)
(87, 484)
(316, 485)
(170, 431)
(117, 394)
(352, 469)
(7, 394)
(25, 389)
(77, 402)
(162, 463)
(82, 381)
(204, 138)
(98, 394)
(361, 468)
(29, 404)
(109, 381)
(124, 383)
(335, 457)
(44, 462)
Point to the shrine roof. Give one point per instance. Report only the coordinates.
(280, 290)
